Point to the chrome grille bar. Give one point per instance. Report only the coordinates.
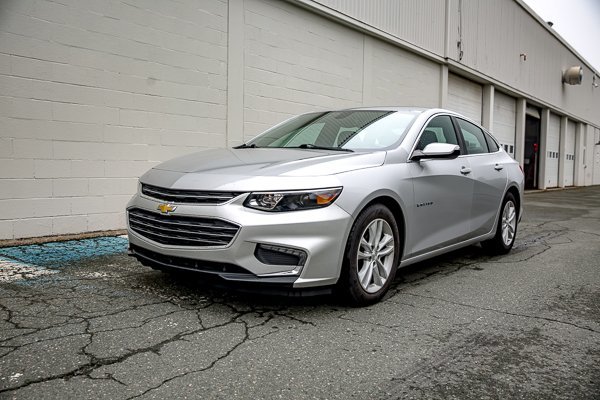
(188, 196)
(181, 230)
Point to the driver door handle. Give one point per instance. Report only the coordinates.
(498, 167)
(465, 170)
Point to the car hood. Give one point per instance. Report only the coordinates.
(238, 169)
(272, 162)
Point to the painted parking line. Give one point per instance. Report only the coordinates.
(32, 261)
(56, 254)
(11, 271)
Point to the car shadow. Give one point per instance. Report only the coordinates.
(415, 274)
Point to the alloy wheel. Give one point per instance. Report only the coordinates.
(375, 255)
(509, 222)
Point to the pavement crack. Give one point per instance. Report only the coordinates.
(245, 339)
(506, 312)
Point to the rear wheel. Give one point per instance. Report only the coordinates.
(506, 231)
(372, 255)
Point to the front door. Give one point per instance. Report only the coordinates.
(443, 193)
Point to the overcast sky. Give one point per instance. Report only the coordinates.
(577, 21)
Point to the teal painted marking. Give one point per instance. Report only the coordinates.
(57, 254)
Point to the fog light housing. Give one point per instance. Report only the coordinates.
(279, 255)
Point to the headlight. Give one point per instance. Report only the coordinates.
(292, 201)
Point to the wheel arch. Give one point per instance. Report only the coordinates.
(517, 195)
(398, 213)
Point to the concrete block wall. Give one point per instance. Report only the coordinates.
(95, 92)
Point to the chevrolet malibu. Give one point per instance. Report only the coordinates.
(330, 200)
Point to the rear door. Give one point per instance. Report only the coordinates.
(443, 193)
(489, 175)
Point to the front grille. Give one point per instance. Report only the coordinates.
(188, 196)
(181, 230)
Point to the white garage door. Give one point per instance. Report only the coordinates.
(505, 110)
(552, 146)
(464, 96)
(570, 153)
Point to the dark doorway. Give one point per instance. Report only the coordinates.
(532, 146)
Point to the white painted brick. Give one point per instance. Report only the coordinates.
(84, 113)
(126, 134)
(134, 118)
(6, 230)
(25, 108)
(25, 188)
(175, 122)
(50, 11)
(113, 186)
(116, 203)
(32, 148)
(69, 224)
(5, 61)
(87, 168)
(10, 168)
(211, 125)
(87, 205)
(22, 6)
(163, 153)
(125, 152)
(193, 139)
(103, 222)
(127, 169)
(23, 67)
(32, 227)
(6, 147)
(55, 130)
(26, 26)
(70, 187)
(33, 47)
(27, 208)
(52, 169)
(78, 151)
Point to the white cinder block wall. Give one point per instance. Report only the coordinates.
(92, 94)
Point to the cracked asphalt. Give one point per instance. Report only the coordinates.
(462, 326)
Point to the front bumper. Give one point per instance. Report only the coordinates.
(320, 234)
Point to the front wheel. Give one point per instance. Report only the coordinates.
(372, 255)
(506, 231)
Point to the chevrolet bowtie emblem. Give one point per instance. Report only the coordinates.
(166, 208)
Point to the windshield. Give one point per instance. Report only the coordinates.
(339, 130)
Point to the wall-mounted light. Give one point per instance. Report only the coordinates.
(573, 75)
(523, 56)
(594, 84)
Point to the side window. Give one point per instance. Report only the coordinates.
(493, 146)
(473, 136)
(438, 130)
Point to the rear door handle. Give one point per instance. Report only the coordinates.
(465, 170)
(498, 167)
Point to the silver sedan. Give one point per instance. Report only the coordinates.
(330, 200)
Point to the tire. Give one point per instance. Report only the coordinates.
(506, 231)
(367, 276)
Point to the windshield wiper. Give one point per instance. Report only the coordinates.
(314, 146)
(246, 146)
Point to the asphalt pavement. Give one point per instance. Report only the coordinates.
(83, 320)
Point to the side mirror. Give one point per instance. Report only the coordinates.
(437, 150)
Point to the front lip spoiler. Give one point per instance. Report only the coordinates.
(239, 281)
